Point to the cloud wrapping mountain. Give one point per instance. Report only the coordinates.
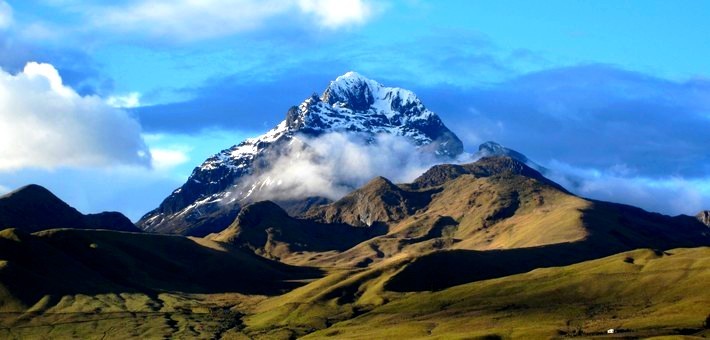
(46, 124)
(363, 109)
(331, 165)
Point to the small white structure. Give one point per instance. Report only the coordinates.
(610, 331)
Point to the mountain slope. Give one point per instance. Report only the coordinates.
(378, 201)
(269, 231)
(33, 208)
(396, 257)
(640, 293)
(351, 104)
(458, 213)
(62, 262)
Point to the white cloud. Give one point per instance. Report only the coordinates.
(46, 124)
(668, 195)
(5, 15)
(167, 159)
(186, 20)
(127, 101)
(176, 155)
(336, 163)
(337, 13)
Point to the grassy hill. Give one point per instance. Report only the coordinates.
(33, 208)
(490, 249)
(494, 204)
(54, 263)
(642, 292)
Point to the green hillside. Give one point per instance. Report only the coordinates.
(490, 249)
(641, 292)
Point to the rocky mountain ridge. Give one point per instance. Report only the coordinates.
(496, 203)
(704, 217)
(351, 104)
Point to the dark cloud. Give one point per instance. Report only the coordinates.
(592, 116)
(281, 75)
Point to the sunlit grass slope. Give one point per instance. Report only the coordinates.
(642, 291)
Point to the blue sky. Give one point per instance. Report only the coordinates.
(616, 93)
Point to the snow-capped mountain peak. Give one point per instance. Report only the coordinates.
(351, 104)
(358, 93)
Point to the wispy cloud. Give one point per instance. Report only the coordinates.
(620, 135)
(671, 195)
(187, 20)
(593, 116)
(334, 14)
(46, 124)
(6, 18)
(167, 159)
(333, 164)
(127, 101)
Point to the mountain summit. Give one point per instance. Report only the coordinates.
(33, 208)
(354, 103)
(211, 198)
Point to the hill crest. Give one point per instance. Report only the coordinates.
(33, 208)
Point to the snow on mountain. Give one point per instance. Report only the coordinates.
(494, 149)
(351, 104)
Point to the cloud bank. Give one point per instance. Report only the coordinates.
(672, 195)
(46, 124)
(334, 164)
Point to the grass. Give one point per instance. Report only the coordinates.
(39, 270)
(664, 293)
(498, 256)
(645, 292)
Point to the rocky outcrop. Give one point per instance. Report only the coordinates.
(704, 217)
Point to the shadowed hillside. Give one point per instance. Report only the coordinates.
(496, 203)
(641, 293)
(386, 260)
(269, 231)
(32, 208)
(65, 261)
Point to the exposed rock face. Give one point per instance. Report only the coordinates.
(211, 197)
(485, 167)
(704, 217)
(33, 208)
(377, 201)
(491, 149)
